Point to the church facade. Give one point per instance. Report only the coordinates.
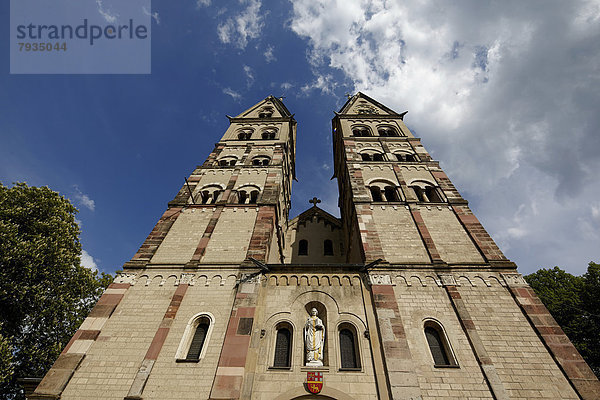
(405, 296)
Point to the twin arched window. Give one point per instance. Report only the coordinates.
(371, 156)
(195, 338)
(209, 195)
(227, 161)
(327, 247)
(261, 160)
(248, 194)
(245, 134)
(405, 157)
(387, 131)
(266, 112)
(426, 193)
(361, 131)
(439, 346)
(269, 134)
(383, 191)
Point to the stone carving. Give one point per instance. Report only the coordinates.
(187, 278)
(125, 277)
(514, 279)
(380, 279)
(314, 339)
(448, 280)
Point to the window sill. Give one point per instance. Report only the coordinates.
(186, 360)
(350, 369)
(445, 366)
(279, 368)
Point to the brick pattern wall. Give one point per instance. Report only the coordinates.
(157, 235)
(482, 239)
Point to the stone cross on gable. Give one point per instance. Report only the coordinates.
(314, 201)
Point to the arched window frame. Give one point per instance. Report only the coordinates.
(284, 324)
(269, 134)
(188, 335)
(245, 134)
(445, 342)
(403, 156)
(227, 161)
(361, 131)
(372, 155)
(378, 189)
(425, 192)
(387, 131)
(356, 342)
(266, 112)
(261, 160)
(248, 194)
(208, 194)
(303, 247)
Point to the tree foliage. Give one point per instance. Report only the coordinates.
(574, 303)
(45, 293)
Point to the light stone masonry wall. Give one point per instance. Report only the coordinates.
(174, 380)
(256, 177)
(285, 299)
(400, 240)
(384, 172)
(452, 242)
(413, 173)
(523, 364)
(112, 361)
(183, 237)
(214, 176)
(417, 303)
(231, 237)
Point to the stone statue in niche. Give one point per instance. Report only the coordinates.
(314, 339)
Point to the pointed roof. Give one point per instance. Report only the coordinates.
(279, 109)
(360, 103)
(318, 212)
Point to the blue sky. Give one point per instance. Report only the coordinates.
(507, 103)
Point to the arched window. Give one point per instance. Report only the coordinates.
(245, 134)
(283, 346)
(349, 355)
(248, 194)
(195, 338)
(438, 345)
(387, 131)
(208, 195)
(426, 193)
(383, 191)
(261, 160)
(328, 247)
(405, 157)
(361, 131)
(227, 161)
(371, 155)
(376, 193)
(269, 133)
(303, 247)
(366, 157)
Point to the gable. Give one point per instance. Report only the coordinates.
(362, 104)
(270, 107)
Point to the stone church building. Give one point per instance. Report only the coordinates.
(405, 296)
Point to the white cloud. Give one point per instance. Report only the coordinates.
(202, 3)
(501, 95)
(269, 54)
(154, 15)
(249, 75)
(286, 85)
(88, 261)
(106, 14)
(230, 92)
(84, 199)
(244, 26)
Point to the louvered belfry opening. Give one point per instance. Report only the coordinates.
(198, 340)
(283, 344)
(436, 345)
(348, 349)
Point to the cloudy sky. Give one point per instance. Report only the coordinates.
(506, 95)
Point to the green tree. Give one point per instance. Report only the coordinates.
(45, 293)
(574, 304)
